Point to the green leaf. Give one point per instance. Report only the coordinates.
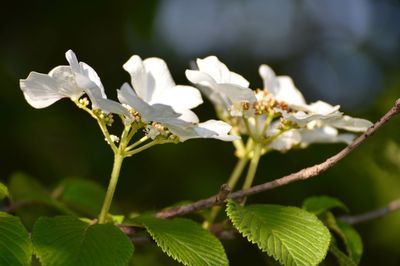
(66, 240)
(185, 241)
(3, 191)
(342, 259)
(349, 236)
(320, 204)
(24, 188)
(291, 235)
(352, 241)
(84, 196)
(15, 245)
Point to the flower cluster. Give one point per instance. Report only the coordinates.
(155, 103)
(277, 115)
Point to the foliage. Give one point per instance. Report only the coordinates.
(291, 235)
(66, 240)
(185, 241)
(15, 244)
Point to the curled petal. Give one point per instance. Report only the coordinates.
(41, 90)
(86, 78)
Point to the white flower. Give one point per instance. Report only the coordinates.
(298, 125)
(153, 84)
(282, 88)
(226, 89)
(318, 113)
(157, 99)
(42, 90)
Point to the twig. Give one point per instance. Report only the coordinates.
(223, 194)
(303, 174)
(374, 214)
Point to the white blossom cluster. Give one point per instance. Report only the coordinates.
(277, 116)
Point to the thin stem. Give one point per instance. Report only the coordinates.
(137, 143)
(267, 123)
(118, 159)
(106, 134)
(146, 146)
(103, 126)
(247, 125)
(252, 168)
(256, 125)
(239, 146)
(371, 215)
(236, 173)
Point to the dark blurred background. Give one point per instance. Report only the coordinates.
(344, 52)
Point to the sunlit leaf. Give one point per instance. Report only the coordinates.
(185, 241)
(66, 240)
(291, 235)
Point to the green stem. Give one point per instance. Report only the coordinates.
(267, 123)
(239, 146)
(118, 159)
(146, 146)
(102, 125)
(232, 181)
(137, 143)
(253, 167)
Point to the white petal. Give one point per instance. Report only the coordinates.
(157, 112)
(237, 93)
(66, 81)
(208, 86)
(188, 116)
(86, 78)
(269, 78)
(110, 106)
(351, 124)
(40, 90)
(286, 140)
(201, 78)
(321, 107)
(302, 119)
(219, 128)
(209, 129)
(158, 76)
(324, 135)
(179, 98)
(134, 66)
(286, 91)
(281, 87)
(220, 72)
